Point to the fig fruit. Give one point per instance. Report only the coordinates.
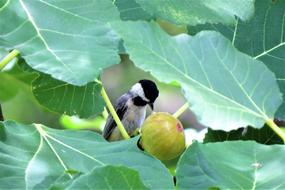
(162, 135)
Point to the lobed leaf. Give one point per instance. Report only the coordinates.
(61, 97)
(13, 79)
(199, 12)
(37, 157)
(131, 10)
(232, 165)
(109, 177)
(66, 39)
(227, 89)
(13, 82)
(265, 135)
(262, 38)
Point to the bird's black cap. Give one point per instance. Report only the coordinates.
(150, 89)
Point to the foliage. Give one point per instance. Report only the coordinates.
(236, 165)
(13, 79)
(207, 68)
(262, 38)
(103, 177)
(66, 98)
(213, 11)
(50, 157)
(80, 57)
(231, 77)
(264, 135)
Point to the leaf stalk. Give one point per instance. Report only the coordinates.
(181, 110)
(113, 112)
(276, 129)
(8, 58)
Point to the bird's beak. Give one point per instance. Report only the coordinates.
(151, 106)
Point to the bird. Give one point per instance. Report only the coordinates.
(131, 109)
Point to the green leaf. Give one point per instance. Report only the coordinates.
(55, 95)
(2, 2)
(73, 122)
(64, 98)
(37, 157)
(60, 38)
(61, 97)
(227, 89)
(131, 10)
(10, 85)
(98, 10)
(262, 38)
(265, 135)
(3, 53)
(14, 79)
(109, 177)
(199, 12)
(232, 165)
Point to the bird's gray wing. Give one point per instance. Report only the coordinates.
(121, 109)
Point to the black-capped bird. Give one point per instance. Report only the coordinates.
(131, 109)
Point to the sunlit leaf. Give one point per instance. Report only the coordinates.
(227, 89)
(37, 157)
(131, 10)
(232, 165)
(61, 38)
(262, 38)
(199, 12)
(109, 177)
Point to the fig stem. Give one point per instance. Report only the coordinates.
(181, 110)
(8, 58)
(112, 111)
(276, 129)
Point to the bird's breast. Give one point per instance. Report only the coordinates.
(134, 117)
(136, 114)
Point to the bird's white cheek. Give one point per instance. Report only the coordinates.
(137, 89)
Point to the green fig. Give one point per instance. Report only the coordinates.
(162, 135)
